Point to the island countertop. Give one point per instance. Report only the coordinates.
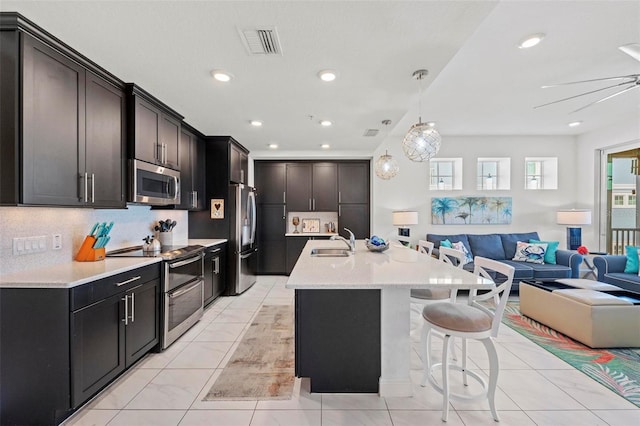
(398, 267)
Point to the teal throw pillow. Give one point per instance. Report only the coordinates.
(552, 248)
(446, 243)
(632, 259)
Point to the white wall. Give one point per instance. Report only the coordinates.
(130, 226)
(532, 210)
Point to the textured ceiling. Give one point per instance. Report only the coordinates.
(479, 82)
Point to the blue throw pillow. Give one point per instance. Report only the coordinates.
(446, 243)
(552, 248)
(632, 259)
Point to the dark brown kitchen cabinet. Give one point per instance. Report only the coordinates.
(192, 169)
(353, 182)
(214, 272)
(63, 125)
(294, 248)
(239, 164)
(79, 340)
(154, 129)
(271, 227)
(312, 186)
(270, 179)
(356, 218)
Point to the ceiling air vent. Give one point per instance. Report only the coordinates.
(370, 133)
(261, 41)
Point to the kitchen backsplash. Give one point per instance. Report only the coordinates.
(130, 226)
(323, 217)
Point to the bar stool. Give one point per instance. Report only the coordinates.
(467, 321)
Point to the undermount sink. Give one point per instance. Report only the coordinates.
(329, 252)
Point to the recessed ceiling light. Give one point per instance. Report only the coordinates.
(273, 146)
(325, 146)
(575, 123)
(531, 41)
(221, 75)
(327, 75)
(256, 123)
(325, 123)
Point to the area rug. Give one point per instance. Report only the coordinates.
(262, 366)
(617, 369)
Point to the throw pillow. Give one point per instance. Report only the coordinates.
(532, 253)
(632, 259)
(446, 243)
(460, 247)
(552, 248)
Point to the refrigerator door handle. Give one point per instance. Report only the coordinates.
(252, 200)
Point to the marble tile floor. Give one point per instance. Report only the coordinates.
(535, 387)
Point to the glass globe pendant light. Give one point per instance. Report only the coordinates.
(422, 141)
(386, 167)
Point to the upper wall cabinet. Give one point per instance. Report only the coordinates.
(238, 164)
(63, 123)
(154, 129)
(312, 186)
(192, 169)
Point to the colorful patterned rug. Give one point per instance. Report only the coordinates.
(617, 369)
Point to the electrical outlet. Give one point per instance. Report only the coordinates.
(56, 243)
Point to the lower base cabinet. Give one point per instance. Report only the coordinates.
(62, 346)
(295, 245)
(214, 272)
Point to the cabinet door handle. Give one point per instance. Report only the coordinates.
(86, 187)
(133, 307)
(126, 310)
(130, 280)
(339, 196)
(242, 175)
(314, 204)
(309, 203)
(216, 265)
(284, 197)
(164, 153)
(284, 212)
(195, 199)
(339, 210)
(159, 152)
(93, 187)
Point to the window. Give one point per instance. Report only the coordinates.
(445, 174)
(618, 200)
(541, 173)
(493, 174)
(632, 200)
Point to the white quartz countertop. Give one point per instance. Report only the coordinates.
(72, 274)
(310, 234)
(398, 266)
(207, 242)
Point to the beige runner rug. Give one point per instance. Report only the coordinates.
(262, 366)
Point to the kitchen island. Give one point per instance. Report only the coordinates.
(352, 315)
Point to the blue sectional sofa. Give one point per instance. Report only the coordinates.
(611, 271)
(502, 247)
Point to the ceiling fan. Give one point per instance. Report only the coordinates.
(628, 82)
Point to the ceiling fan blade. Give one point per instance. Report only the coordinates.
(631, 49)
(586, 93)
(631, 77)
(607, 97)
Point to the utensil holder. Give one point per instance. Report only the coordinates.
(165, 238)
(89, 254)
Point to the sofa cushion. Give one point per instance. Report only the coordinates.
(548, 272)
(459, 245)
(626, 281)
(552, 248)
(489, 246)
(509, 242)
(632, 259)
(436, 239)
(530, 253)
(523, 270)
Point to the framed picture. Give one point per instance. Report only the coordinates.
(217, 208)
(471, 210)
(310, 225)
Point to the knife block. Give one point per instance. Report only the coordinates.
(89, 254)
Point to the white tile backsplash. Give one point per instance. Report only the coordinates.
(130, 226)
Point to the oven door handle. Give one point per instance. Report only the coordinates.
(185, 290)
(185, 262)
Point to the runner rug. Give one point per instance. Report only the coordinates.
(262, 366)
(618, 369)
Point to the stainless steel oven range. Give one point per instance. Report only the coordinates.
(182, 287)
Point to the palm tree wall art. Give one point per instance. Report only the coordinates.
(471, 210)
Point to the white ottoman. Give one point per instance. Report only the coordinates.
(597, 319)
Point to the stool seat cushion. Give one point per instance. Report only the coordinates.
(429, 294)
(457, 317)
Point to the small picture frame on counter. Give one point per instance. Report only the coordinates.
(310, 225)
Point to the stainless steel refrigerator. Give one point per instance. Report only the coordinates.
(242, 238)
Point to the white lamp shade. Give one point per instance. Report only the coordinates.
(573, 217)
(405, 218)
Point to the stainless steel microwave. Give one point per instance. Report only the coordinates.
(153, 184)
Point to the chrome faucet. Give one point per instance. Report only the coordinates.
(352, 240)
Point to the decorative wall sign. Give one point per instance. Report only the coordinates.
(471, 211)
(310, 225)
(217, 208)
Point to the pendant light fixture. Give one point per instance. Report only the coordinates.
(386, 167)
(422, 141)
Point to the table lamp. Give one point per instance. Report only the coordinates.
(402, 219)
(573, 218)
